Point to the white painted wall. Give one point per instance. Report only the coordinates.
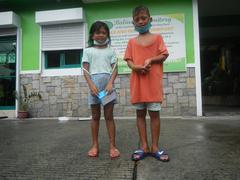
(9, 19)
(197, 58)
(60, 16)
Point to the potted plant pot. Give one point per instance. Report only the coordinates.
(24, 100)
(23, 114)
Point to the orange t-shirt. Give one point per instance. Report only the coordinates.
(148, 87)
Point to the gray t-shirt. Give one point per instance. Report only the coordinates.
(100, 60)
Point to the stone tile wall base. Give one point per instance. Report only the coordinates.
(67, 95)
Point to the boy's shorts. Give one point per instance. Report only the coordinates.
(148, 106)
(100, 80)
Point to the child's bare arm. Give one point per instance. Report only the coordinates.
(91, 85)
(137, 68)
(111, 81)
(156, 59)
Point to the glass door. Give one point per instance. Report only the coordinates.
(7, 72)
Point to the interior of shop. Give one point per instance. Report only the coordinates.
(7, 72)
(220, 56)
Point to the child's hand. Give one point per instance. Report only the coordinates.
(94, 89)
(109, 88)
(148, 64)
(139, 68)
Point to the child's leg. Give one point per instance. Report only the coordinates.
(155, 129)
(142, 130)
(108, 115)
(155, 132)
(96, 113)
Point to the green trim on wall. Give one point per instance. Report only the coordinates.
(7, 107)
(120, 9)
(62, 60)
(98, 11)
(30, 41)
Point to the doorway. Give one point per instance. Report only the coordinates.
(7, 72)
(220, 59)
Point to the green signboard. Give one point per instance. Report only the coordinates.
(171, 27)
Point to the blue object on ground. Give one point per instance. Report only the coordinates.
(138, 154)
(158, 154)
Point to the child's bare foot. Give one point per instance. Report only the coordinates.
(160, 155)
(93, 152)
(145, 149)
(114, 153)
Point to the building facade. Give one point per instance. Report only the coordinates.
(41, 46)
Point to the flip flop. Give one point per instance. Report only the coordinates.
(159, 154)
(114, 153)
(138, 154)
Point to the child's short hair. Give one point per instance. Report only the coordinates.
(139, 9)
(96, 26)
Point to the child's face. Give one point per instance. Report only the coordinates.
(141, 19)
(100, 35)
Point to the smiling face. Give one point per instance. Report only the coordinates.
(141, 19)
(101, 35)
(99, 32)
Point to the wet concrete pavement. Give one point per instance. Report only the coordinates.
(47, 149)
(200, 149)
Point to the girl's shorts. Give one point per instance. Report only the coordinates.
(100, 80)
(148, 106)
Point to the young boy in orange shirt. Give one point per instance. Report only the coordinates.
(145, 55)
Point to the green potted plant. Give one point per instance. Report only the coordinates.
(24, 100)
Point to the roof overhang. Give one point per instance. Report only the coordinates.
(9, 19)
(60, 16)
